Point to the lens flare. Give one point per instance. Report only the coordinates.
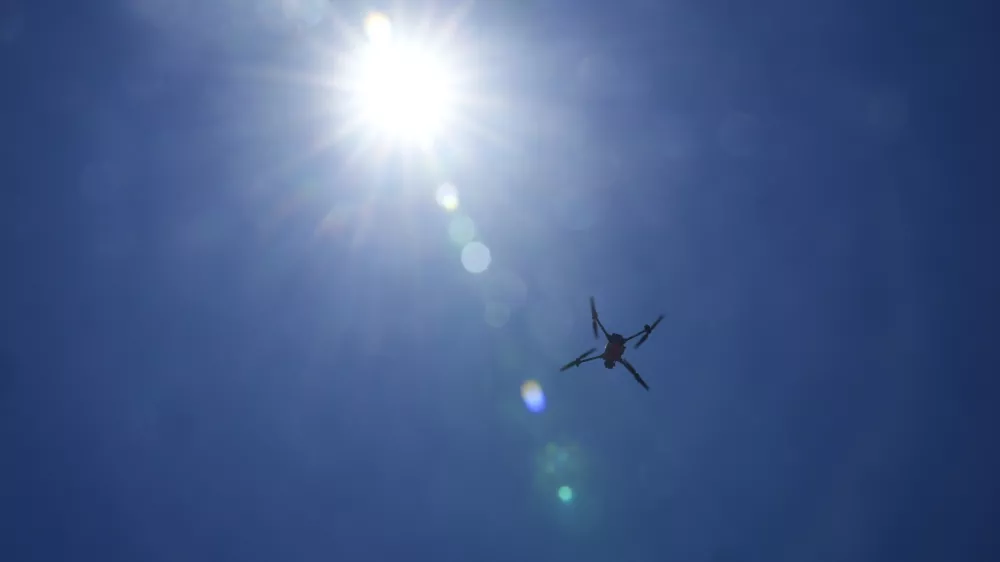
(566, 494)
(504, 286)
(476, 257)
(533, 396)
(378, 28)
(447, 196)
(497, 314)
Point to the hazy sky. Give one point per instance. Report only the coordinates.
(242, 323)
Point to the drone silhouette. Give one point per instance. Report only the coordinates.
(614, 350)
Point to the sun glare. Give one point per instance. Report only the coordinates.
(402, 89)
(378, 28)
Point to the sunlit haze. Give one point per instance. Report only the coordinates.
(306, 280)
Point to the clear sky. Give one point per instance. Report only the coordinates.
(275, 280)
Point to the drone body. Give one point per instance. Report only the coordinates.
(614, 350)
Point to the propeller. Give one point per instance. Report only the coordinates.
(576, 362)
(593, 316)
(649, 330)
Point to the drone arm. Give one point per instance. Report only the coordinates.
(635, 374)
(635, 335)
(582, 358)
(579, 361)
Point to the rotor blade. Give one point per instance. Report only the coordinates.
(639, 380)
(653, 326)
(645, 336)
(576, 362)
(593, 317)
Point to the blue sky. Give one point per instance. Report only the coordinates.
(236, 330)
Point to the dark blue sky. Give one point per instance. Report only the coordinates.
(230, 334)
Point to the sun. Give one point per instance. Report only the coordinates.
(400, 89)
(404, 92)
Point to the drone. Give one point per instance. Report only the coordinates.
(614, 350)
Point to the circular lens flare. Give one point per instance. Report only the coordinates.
(565, 494)
(447, 196)
(378, 28)
(534, 398)
(476, 257)
(497, 314)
